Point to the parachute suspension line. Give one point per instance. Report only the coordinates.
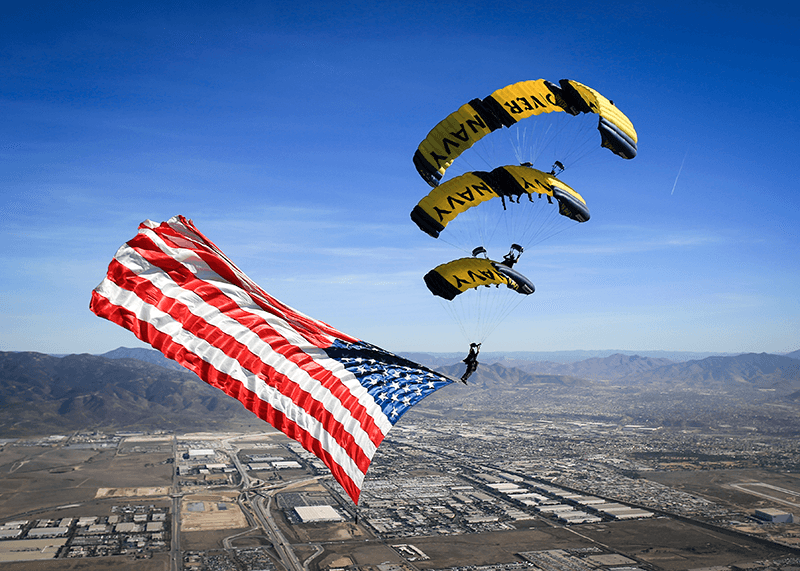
(495, 306)
(478, 312)
(536, 219)
(481, 156)
(502, 315)
(476, 226)
(457, 244)
(557, 138)
(525, 143)
(573, 140)
(450, 308)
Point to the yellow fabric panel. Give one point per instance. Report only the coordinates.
(452, 136)
(455, 196)
(526, 98)
(534, 181)
(605, 108)
(467, 273)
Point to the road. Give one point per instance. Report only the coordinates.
(255, 501)
(175, 559)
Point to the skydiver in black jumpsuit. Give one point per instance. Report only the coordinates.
(471, 360)
(513, 255)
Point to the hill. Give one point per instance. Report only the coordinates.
(147, 355)
(761, 370)
(41, 394)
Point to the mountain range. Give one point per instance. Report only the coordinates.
(41, 394)
(141, 389)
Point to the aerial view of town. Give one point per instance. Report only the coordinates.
(569, 479)
(379, 285)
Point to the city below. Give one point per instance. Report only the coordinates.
(636, 464)
(441, 494)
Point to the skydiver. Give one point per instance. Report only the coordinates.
(557, 165)
(513, 256)
(471, 360)
(478, 251)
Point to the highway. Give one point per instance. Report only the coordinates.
(175, 559)
(255, 500)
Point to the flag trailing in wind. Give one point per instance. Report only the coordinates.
(336, 395)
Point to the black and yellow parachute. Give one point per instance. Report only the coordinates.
(478, 293)
(505, 107)
(454, 278)
(445, 202)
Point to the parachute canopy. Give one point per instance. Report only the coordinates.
(336, 395)
(505, 107)
(454, 278)
(445, 202)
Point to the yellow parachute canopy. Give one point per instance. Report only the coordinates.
(445, 202)
(453, 278)
(505, 107)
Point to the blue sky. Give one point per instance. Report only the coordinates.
(285, 130)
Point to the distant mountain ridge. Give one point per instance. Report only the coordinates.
(42, 394)
(625, 368)
(614, 366)
(761, 369)
(142, 354)
(557, 357)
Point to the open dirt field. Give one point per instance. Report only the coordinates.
(665, 543)
(208, 512)
(159, 562)
(34, 478)
(131, 492)
(208, 540)
(674, 545)
(718, 486)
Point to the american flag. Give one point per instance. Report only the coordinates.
(336, 395)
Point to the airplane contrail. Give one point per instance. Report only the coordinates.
(679, 172)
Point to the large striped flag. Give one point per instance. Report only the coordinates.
(336, 395)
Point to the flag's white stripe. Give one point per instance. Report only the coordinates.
(192, 241)
(192, 261)
(229, 366)
(215, 318)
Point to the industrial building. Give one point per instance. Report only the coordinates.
(313, 514)
(774, 516)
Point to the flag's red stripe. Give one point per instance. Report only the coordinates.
(251, 362)
(184, 278)
(164, 343)
(308, 327)
(150, 250)
(226, 269)
(311, 323)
